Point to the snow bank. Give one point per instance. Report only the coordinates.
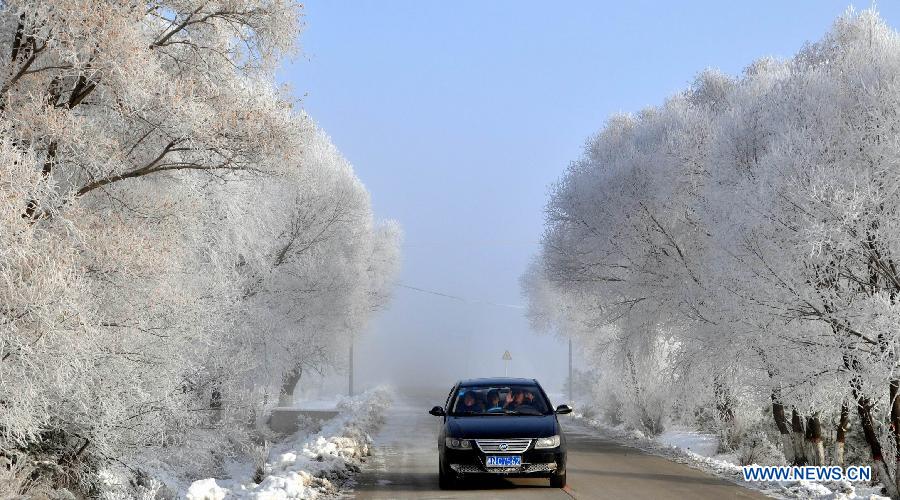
(206, 489)
(698, 450)
(702, 444)
(305, 467)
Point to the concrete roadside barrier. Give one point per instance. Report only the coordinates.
(289, 420)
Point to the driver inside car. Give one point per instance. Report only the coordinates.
(514, 399)
(529, 397)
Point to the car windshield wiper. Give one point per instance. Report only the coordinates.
(493, 413)
(529, 413)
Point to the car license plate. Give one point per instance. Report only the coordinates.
(503, 461)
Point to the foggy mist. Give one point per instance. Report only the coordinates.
(429, 340)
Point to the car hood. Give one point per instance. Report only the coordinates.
(498, 427)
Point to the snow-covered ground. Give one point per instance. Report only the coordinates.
(307, 466)
(690, 440)
(698, 450)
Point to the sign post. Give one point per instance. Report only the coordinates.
(571, 396)
(506, 359)
(350, 382)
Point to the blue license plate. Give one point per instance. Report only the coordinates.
(503, 461)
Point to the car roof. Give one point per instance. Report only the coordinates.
(497, 381)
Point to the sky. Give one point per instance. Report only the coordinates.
(459, 116)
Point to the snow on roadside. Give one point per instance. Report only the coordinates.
(697, 450)
(702, 444)
(305, 467)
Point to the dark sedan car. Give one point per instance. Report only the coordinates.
(500, 426)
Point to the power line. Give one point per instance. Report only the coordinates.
(470, 244)
(460, 299)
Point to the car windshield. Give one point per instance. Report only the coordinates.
(500, 400)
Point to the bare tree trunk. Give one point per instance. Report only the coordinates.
(814, 440)
(894, 393)
(864, 408)
(646, 421)
(841, 435)
(288, 382)
(798, 439)
(781, 423)
(876, 268)
(215, 404)
(867, 423)
(724, 402)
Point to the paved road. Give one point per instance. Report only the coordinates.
(404, 465)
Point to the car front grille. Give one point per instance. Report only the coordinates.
(524, 469)
(503, 445)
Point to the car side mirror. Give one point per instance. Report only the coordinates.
(563, 409)
(437, 411)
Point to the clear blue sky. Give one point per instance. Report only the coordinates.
(458, 116)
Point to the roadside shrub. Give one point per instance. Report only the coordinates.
(756, 448)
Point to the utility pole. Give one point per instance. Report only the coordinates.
(468, 372)
(350, 384)
(571, 396)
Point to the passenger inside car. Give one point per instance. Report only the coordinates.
(499, 399)
(469, 403)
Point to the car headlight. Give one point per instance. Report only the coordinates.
(458, 444)
(548, 442)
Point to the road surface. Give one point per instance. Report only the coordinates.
(404, 465)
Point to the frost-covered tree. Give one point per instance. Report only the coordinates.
(747, 225)
(176, 240)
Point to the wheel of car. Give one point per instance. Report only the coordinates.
(558, 480)
(446, 479)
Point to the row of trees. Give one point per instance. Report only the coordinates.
(177, 244)
(732, 254)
